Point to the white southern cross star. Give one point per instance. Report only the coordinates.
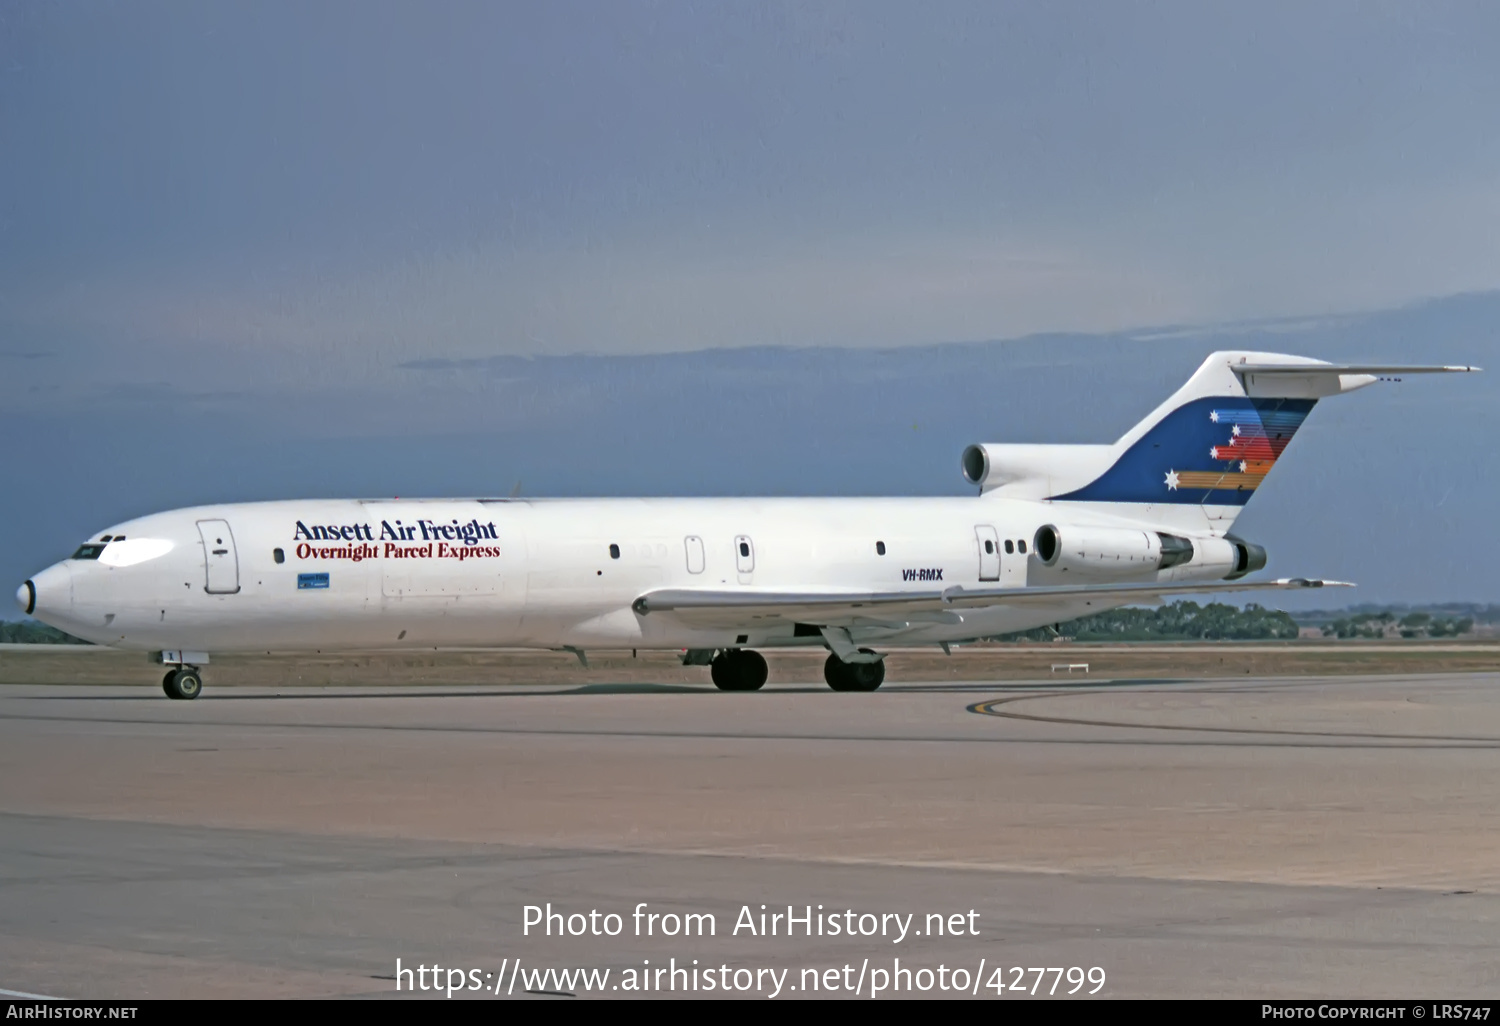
(1236, 431)
(1213, 415)
(1171, 480)
(1244, 466)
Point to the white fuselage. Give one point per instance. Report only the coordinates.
(556, 573)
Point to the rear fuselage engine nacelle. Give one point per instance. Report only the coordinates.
(1095, 553)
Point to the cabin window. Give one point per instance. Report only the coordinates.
(1010, 546)
(278, 555)
(989, 547)
(1022, 545)
(880, 548)
(614, 551)
(744, 548)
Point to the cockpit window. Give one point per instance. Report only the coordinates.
(88, 552)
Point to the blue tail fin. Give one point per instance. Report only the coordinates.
(1214, 442)
(1212, 451)
(1199, 456)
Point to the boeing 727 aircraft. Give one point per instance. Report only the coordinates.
(1057, 532)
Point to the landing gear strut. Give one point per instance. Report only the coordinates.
(842, 676)
(184, 683)
(738, 669)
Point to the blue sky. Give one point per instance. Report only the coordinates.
(246, 249)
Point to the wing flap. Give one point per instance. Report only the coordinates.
(759, 607)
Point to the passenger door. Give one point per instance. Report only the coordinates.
(220, 559)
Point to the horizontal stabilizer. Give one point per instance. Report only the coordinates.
(746, 606)
(1304, 369)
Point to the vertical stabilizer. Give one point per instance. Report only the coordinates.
(1200, 456)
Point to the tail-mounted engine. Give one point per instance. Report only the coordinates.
(1100, 552)
(1248, 558)
(1107, 551)
(1034, 470)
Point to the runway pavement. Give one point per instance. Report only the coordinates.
(1265, 838)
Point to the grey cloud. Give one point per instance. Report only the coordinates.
(396, 180)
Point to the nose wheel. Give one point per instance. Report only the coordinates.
(183, 684)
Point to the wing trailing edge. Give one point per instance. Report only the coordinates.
(842, 608)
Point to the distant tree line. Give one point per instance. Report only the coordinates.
(1385, 624)
(29, 632)
(1475, 612)
(1179, 621)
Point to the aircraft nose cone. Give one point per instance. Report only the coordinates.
(48, 594)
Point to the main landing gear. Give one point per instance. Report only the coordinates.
(738, 669)
(842, 676)
(184, 683)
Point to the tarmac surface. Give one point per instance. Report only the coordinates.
(1267, 838)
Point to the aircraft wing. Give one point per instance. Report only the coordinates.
(746, 606)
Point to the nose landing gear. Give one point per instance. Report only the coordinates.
(183, 684)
